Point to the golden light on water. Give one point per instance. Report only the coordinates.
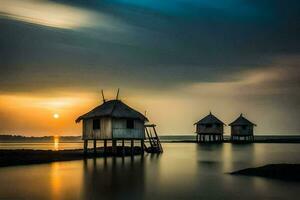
(56, 142)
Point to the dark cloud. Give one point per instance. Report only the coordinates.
(149, 44)
(229, 56)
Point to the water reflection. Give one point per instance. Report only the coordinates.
(55, 180)
(64, 177)
(56, 143)
(104, 176)
(183, 171)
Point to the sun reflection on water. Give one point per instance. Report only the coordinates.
(56, 143)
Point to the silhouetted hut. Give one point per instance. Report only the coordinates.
(209, 129)
(112, 121)
(242, 129)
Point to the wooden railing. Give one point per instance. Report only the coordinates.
(128, 133)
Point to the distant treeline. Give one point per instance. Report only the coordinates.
(20, 138)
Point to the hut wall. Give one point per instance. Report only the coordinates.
(120, 130)
(105, 131)
(240, 130)
(87, 132)
(106, 128)
(211, 129)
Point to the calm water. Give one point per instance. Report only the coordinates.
(183, 171)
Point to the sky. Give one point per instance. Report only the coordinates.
(175, 59)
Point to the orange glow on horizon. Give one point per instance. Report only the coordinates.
(42, 115)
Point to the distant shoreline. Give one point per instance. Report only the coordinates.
(163, 138)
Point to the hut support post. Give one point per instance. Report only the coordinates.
(114, 146)
(95, 146)
(85, 145)
(105, 146)
(132, 146)
(123, 147)
(142, 146)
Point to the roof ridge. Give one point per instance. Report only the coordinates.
(210, 116)
(114, 106)
(239, 118)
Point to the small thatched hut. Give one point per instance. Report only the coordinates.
(209, 129)
(242, 129)
(111, 121)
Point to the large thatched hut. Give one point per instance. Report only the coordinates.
(112, 121)
(209, 129)
(242, 129)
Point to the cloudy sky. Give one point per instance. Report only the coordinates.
(176, 59)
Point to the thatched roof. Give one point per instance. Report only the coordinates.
(240, 121)
(210, 119)
(115, 109)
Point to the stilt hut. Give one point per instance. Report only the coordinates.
(242, 129)
(113, 121)
(209, 129)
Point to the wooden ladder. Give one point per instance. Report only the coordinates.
(155, 145)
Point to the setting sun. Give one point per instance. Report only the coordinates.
(56, 116)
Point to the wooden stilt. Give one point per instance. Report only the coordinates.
(105, 146)
(132, 146)
(85, 146)
(142, 146)
(114, 146)
(95, 146)
(123, 147)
